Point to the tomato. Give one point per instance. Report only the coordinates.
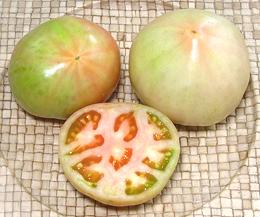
(63, 65)
(192, 65)
(119, 154)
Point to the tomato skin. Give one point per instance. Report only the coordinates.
(63, 65)
(190, 64)
(113, 170)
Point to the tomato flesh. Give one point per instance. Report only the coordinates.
(119, 154)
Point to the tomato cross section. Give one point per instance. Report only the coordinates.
(124, 151)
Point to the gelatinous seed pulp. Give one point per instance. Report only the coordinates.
(129, 117)
(81, 122)
(137, 189)
(161, 165)
(117, 164)
(91, 176)
(164, 133)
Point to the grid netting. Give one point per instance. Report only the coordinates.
(210, 157)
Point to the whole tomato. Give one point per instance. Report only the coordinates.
(191, 65)
(63, 65)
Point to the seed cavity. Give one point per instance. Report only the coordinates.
(129, 117)
(81, 122)
(98, 141)
(164, 130)
(125, 158)
(90, 176)
(132, 189)
(162, 164)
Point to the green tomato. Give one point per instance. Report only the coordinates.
(63, 65)
(191, 65)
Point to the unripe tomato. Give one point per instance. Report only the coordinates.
(192, 65)
(63, 65)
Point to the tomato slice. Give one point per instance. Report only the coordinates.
(161, 165)
(119, 154)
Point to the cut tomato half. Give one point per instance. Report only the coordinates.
(119, 154)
